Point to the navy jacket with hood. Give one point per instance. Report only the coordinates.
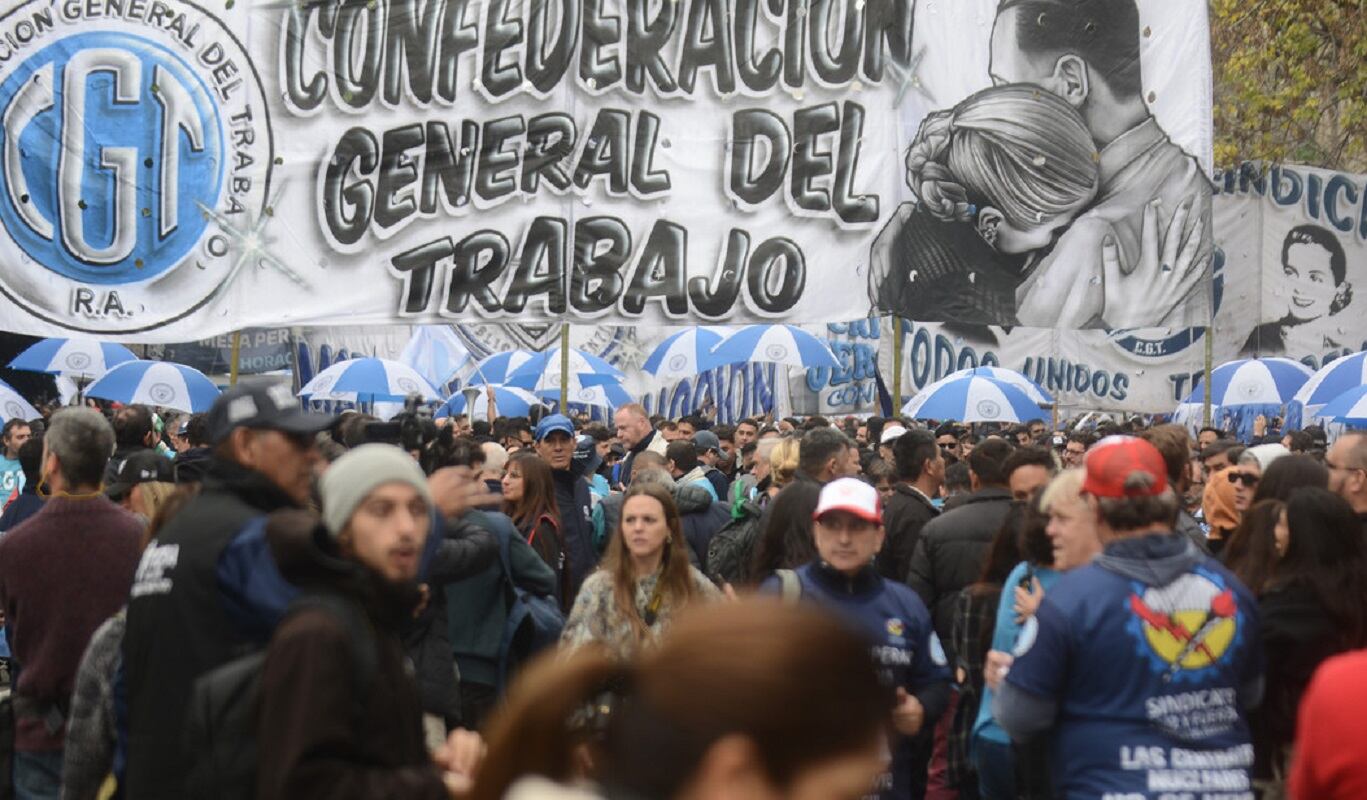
(1144, 663)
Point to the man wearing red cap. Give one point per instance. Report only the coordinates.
(1145, 662)
(848, 533)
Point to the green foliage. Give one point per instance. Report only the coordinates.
(1291, 81)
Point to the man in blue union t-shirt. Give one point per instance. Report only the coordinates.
(848, 533)
(1145, 662)
(15, 433)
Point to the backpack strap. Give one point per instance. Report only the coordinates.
(790, 586)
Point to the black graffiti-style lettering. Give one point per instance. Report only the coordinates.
(458, 35)
(600, 31)
(890, 22)
(541, 268)
(497, 166)
(418, 269)
(303, 96)
(849, 206)
(660, 271)
(550, 139)
(607, 152)
(602, 246)
(707, 43)
(716, 297)
(644, 178)
(347, 207)
(479, 261)
(776, 275)
(645, 40)
(838, 67)
(751, 128)
(794, 14)
(544, 69)
(758, 75)
(397, 173)
(449, 166)
(357, 78)
(500, 35)
(810, 161)
(411, 41)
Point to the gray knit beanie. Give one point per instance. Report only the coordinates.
(358, 473)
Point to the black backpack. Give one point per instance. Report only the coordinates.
(731, 548)
(225, 707)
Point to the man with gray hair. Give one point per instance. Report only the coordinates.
(63, 572)
(1145, 662)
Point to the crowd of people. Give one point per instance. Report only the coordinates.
(263, 602)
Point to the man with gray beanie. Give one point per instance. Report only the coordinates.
(340, 709)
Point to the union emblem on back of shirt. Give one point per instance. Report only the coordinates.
(1186, 627)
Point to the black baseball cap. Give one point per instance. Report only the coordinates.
(272, 408)
(143, 466)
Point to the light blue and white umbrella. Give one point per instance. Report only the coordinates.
(972, 399)
(1350, 408)
(1332, 380)
(1250, 387)
(778, 344)
(368, 380)
(156, 383)
(686, 353)
(13, 404)
(601, 391)
(509, 401)
(496, 369)
(1017, 379)
(80, 359)
(542, 372)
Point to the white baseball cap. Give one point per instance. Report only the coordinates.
(891, 433)
(852, 495)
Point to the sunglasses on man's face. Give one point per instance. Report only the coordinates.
(1244, 478)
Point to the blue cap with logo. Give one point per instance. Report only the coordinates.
(553, 423)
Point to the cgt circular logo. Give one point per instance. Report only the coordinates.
(134, 138)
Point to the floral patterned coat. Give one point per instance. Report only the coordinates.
(595, 617)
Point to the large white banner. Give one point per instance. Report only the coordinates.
(171, 171)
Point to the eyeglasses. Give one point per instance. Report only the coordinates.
(1244, 478)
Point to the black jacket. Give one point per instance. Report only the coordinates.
(951, 552)
(466, 549)
(701, 517)
(576, 526)
(178, 626)
(1297, 637)
(310, 742)
(904, 515)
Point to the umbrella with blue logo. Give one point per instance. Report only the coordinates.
(686, 353)
(156, 383)
(1350, 408)
(496, 369)
(778, 344)
(1017, 379)
(509, 401)
(369, 380)
(1330, 382)
(541, 373)
(14, 406)
(972, 398)
(1250, 387)
(79, 359)
(600, 391)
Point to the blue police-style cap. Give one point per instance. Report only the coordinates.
(553, 423)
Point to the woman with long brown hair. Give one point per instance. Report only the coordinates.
(757, 699)
(529, 501)
(645, 579)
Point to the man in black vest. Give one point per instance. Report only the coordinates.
(207, 589)
(555, 443)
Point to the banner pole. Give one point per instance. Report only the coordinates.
(1209, 337)
(565, 369)
(896, 366)
(236, 352)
